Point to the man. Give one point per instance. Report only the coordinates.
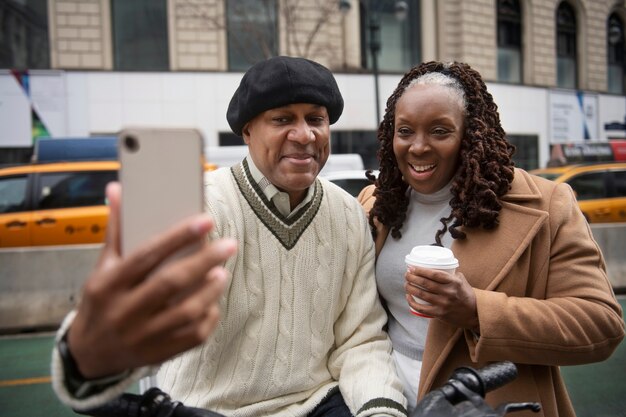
(301, 332)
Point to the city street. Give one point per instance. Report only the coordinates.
(597, 390)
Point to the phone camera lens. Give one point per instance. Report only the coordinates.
(131, 143)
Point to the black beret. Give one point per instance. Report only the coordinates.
(280, 81)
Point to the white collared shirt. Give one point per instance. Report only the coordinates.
(273, 194)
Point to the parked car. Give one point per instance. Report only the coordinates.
(54, 203)
(600, 188)
(60, 203)
(353, 181)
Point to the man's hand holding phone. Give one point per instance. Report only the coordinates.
(135, 311)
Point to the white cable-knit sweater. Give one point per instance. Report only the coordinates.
(300, 315)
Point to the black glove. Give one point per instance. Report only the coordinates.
(463, 395)
(153, 403)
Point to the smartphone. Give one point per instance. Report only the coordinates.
(161, 174)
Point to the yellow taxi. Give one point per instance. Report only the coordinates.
(55, 203)
(600, 188)
(61, 203)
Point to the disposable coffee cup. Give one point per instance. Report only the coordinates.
(432, 257)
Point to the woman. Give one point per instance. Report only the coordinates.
(531, 286)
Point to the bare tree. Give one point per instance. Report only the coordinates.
(304, 22)
(254, 27)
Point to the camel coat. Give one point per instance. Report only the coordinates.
(542, 294)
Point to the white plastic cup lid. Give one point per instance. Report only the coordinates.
(435, 257)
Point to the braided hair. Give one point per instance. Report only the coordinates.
(485, 170)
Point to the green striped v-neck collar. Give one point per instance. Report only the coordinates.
(286, 229)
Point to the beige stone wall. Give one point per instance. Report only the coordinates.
(596, 63)
(467, 32)
(540, 37)
(463, 30)
(80, 34)
(478, 41)
(540, 33)
(314, 30)
(197, 35)
(450, 30)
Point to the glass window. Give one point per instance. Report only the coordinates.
(13, 194)
(526, 154)
(615, 54)
(73, 189)
(24, 34)
(509, 41)
(589, 186)
(566, 54)
(12, 156)
(252, 32)
(229, 139)
(352, 185)
(140, 36)
(363, 142)
(397, 40)
(620, 183)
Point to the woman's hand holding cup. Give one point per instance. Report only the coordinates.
(436, 289)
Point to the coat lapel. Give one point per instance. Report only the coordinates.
(485, 258)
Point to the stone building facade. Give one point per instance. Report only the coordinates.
(462, 30)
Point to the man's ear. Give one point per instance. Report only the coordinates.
(245, 132)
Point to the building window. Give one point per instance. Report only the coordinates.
(15, 155)
(509, 41)
(615, 54)
(229, 139)
(566, 46)
(363, 142)
(140, 36)
(252, 32)
(24, 34)
(526, 154)
(398, 39)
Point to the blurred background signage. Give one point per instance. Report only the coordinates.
(573, 117)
